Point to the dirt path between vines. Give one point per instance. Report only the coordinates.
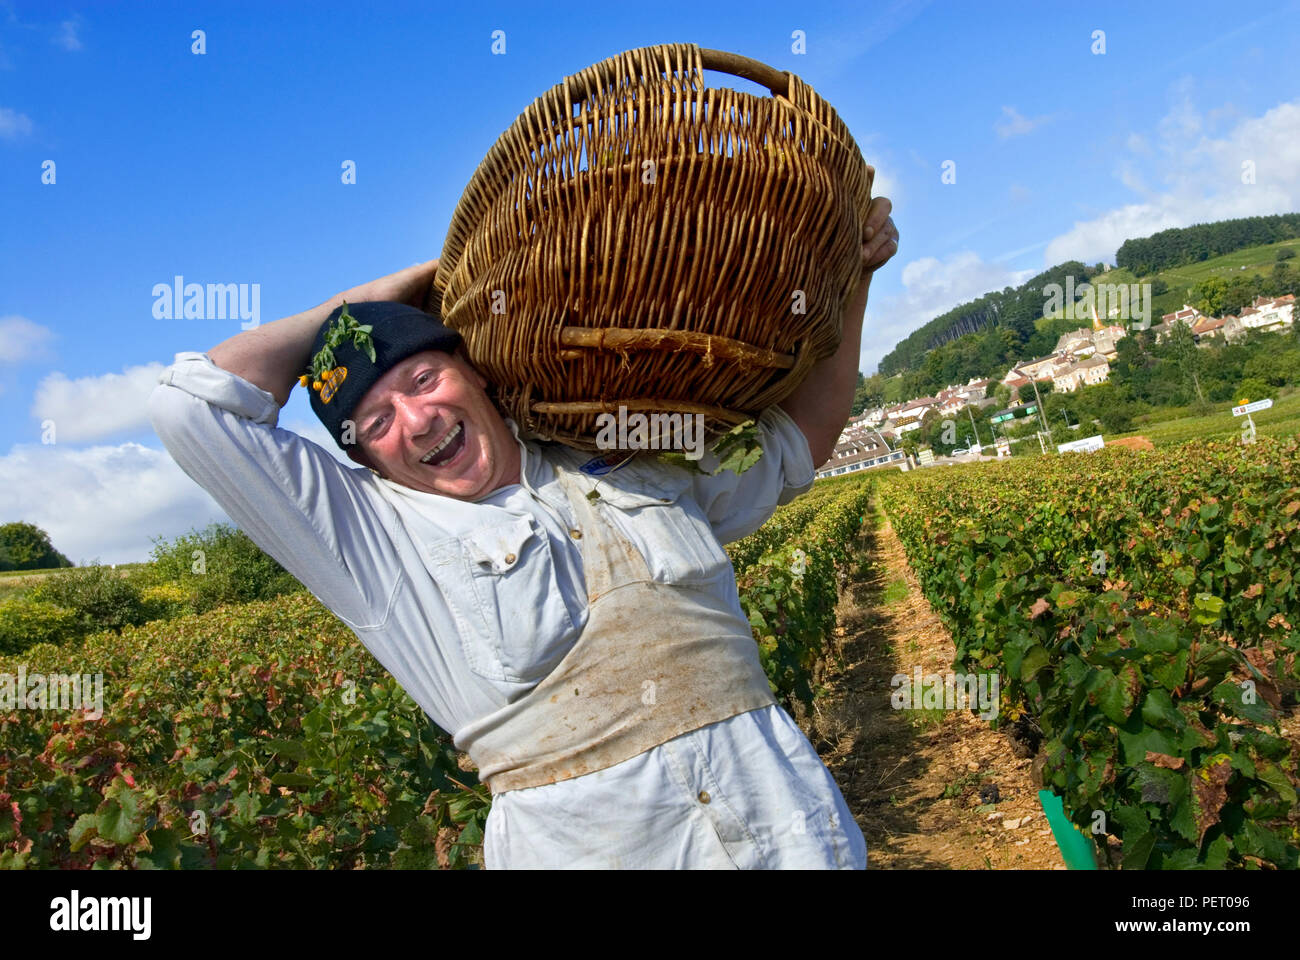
(913, 778)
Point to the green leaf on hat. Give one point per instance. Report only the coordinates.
(344, 327)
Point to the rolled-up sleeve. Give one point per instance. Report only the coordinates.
(738, 504)
(295, 501)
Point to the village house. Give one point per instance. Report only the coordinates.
(1106, 339)
(910, 414)
(1077, 342)
(1044, 368)
(1188, 315)
(860, 448)
(1084, 373)
(1269, 314)
(1015, 379)
(1208, 328)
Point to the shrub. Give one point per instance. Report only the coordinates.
(220, 565)
(25, 622)
(166, 601)
(102, 598)
(1276, 367)
(1252, 388)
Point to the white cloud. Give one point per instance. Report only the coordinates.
(1098, 239)
(67, 35)
(1013, 124)
(23, 341)
(91, 408)
(1198, 178)
(14, 124)
(931, 287)
(110, 502)
(1133, 180)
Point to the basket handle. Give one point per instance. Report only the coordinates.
(778, 81)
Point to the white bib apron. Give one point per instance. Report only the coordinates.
(654, 661)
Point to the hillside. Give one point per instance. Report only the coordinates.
(1180, 262)
(1216, 286)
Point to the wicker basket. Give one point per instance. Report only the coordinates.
(638, 239)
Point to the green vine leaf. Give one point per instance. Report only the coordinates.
(344, 328)
(736, 450)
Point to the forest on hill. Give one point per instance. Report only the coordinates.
(1179, 246)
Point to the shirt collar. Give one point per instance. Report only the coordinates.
(530, 460)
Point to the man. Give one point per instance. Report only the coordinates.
(577, 630)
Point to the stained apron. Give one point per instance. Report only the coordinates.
(654, 662)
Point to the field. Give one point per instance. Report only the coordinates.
(25, 574)
(1280, 420)
(1171, 427)
(1140, 610)
(265, 735)
(15, 583)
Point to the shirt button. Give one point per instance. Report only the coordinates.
(575, 533)
(510, 558)
(704, 796)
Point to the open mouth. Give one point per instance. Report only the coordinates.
(446, 451)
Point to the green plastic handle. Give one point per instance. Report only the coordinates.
(1075, 847)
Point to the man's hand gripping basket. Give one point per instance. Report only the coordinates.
(638, 239)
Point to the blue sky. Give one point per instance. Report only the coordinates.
(225, 168)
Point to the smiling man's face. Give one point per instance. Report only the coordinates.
(428, 424)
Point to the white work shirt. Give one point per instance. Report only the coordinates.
(470, 605)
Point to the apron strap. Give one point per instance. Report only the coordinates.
(608, 559)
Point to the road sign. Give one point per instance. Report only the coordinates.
(1085, 445)
(1251, 407)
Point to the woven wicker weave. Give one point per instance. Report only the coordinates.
(637, 238)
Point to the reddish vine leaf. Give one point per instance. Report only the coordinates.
(1209, 793)
(1165, 761)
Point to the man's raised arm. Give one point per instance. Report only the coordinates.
(822, 403)
(272, 356)
(217, 416)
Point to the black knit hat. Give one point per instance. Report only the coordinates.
(356, 346)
